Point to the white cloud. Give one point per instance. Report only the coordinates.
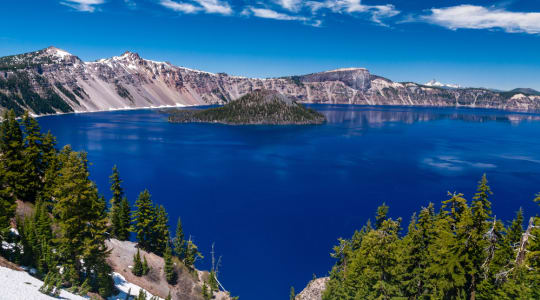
(377, 12)
(180, 7)
(208, 6)
(215, 6)
(271, 14)
(478, 17)
(291, 5)
(83, 5)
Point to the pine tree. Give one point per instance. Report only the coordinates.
(477, 243)
(143, 220)
(170, 273)
(292, 294)
(7, 209)
(137, 264)
(11, 159)
(82, 224)
(169, 297)
(145, 267)
(205, 292)
(125, 221)
(115, 202)
(160, 231)
(192, 254)
(179, 242)
(212, 281)
(382, 212)
(50, 165)
(34, 166)
(142, 295)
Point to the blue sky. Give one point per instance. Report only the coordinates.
(480, 43)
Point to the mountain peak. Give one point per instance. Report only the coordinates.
(57, 52)
(435, 83)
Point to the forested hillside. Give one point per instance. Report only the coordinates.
(62, 237)
(460, 251)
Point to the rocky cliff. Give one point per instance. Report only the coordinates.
(52, 81)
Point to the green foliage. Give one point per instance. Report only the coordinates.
(207, 295)
(258, 107)
(118, 208)
(178, 242)
(461, 252)
(12, 161)
(142, 295)
(137, 264)
(170, 273)
(292, 294)
(192, 254)
(81, 217)
(145, 267)
(212, 281)
(150, 224)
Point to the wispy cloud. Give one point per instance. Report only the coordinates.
(308, 12)
(479, 17)
(180, 7)
(271, 14)
(190, 7)
(215, 6)
(355, 7)
(291, 5)
(83, 5)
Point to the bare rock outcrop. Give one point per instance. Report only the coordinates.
(314, 289)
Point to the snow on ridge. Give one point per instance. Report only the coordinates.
(436, 83)
(58, 52)
(346, 69)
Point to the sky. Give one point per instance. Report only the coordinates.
(477, 43)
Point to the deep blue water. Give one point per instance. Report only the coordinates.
(274, 199)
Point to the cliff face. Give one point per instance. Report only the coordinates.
(52, 81)
(314, 290)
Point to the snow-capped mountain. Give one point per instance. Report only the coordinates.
(436, 83)
(52, 81)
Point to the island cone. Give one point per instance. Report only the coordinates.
(258, 107)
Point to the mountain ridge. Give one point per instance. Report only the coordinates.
(51, 80)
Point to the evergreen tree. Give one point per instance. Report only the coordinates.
(476, 241)
(192, 254)
(82, 224)
(169, 297)
(207, 295)
(142, 295)
(124, 220)
(170, 273)
(137, 264)
(382, 212)
(143, 220)
(115, 202)
(51, 167)
(145, 267)
(179, 242)
(12, 159)
(34, 166)
(160, 235)
(292, 294)
(212, 281)
(7, 208)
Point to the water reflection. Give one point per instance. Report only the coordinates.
(367, 116)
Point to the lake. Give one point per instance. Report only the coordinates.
(274, 199)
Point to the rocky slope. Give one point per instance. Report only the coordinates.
(314, 289)
(258, 107)
(52, 81)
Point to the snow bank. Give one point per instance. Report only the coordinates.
(17, 285)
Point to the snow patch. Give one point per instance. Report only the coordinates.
(18, 285)
(124, 287)
(439, 84)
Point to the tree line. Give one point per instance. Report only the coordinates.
(63, 238)
(461, 251)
